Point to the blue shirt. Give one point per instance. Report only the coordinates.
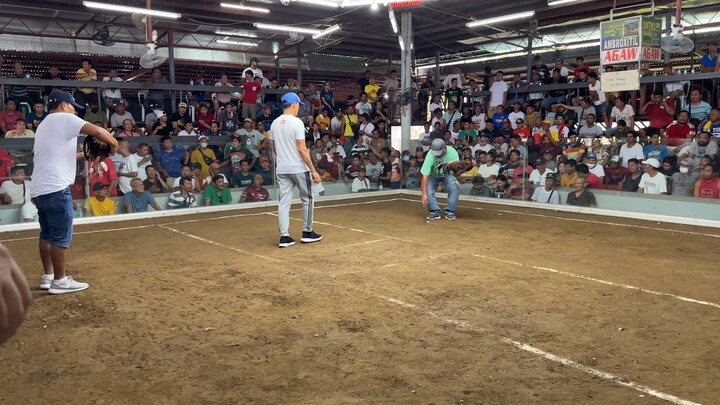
(707, 61)
(34, 119)
(171, 161)
(699, 112)
(659, 152)
(139, 203)
(498, 119)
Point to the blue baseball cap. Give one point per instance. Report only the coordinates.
(62, 96)
(291, 98)
(591, 156)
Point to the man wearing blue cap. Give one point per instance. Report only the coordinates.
(294, 169)
(54, 172)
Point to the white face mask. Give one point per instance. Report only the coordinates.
(591, 166)
(684, 170)
(203, 144)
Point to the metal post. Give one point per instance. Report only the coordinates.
(299, 66)
(437, 70)
(171, 64)
(530, 59)
(406, 81)
(668, 26)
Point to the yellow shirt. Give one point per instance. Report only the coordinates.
(325, 177)
(323, 122)
(349, 121)
(470, 173)
(197, 157)
(17, 134)
(97, 208)
(567, 180)
(372, 91)
(88, 76)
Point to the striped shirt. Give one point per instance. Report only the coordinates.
(177, 200)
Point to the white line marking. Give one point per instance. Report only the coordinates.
(597, 280)
(552, 357)
(466, 325)
(420, 259)
(366, 242)
(578, 219)
(350, 229)
(189, 235)
(195, 220)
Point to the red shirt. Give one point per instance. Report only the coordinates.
(7, 162)
(659, 118)
(709, 189)
(615, 176)
(333, 168)
(9, 119)
(594, 181)
(103, 172)
(678, 133)
(524, 132)
(250, 93)
(252, 194)
(208, 118)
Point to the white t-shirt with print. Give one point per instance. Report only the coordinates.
(625, 114)
(653, 185)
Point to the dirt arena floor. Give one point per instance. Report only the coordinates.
(504, 306)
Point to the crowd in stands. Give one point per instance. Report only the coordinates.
(521, 144)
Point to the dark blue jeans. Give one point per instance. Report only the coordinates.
(55, 214)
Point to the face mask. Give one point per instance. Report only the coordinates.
(203, 145)
(406, 158)
(684, 170)
(591, 166)
(95, 110)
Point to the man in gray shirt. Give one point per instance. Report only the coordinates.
(120, 115)
(682, 182)
(156, 96)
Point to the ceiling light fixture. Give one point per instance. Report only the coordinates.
(326, 3)
(132, 10)
(579, 45)
(229, 42)
(327, 31)
(393, 21)
(286, 28)
(553, 3)
(509, 17)
(245, 8)
(402, 44)
(703, 30)
(235, 34)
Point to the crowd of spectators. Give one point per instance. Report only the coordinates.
(521, 140)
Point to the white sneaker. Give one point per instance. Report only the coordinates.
(66, 285)
(45, 281)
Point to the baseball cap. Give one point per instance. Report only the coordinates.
(548, 152)
(99, 186)
(291, 98)
(202, 136)
(546, 121)
(551, 176)
(264, 159)
(437, 147)
(121, 102)
(519, 121)
(248, 120)
(688, 162)
(61, 96)
(652, 162)
(615, 159)
(540, 161)
(591, 156)
(182, 105)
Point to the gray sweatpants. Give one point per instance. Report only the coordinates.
(287, 182)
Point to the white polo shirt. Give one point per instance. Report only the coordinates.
(55, 153)
(285, 131)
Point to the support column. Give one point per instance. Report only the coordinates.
(299, 66)
(530, 59)
(171, 65)
(406, 81)
(437, 70)
(668, 27)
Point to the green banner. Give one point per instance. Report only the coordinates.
(619, 34)
(651, 32)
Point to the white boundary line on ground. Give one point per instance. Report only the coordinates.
(350, 229)
(597, 280)
(585, 211)
(547, 355)
(367, 242)
(578, 210)
(195, 220)
(465, 325)
(190, 211)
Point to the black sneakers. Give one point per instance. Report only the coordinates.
(310, 237)
(286, 241)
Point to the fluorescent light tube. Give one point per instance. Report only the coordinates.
(126, 9)
(393, 21)
(509, 17)
(245, 8)
(286, 28)
(229, 42)
(326, 3)
(327, 31)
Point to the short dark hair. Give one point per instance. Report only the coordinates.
(582, 168)
(149, 167)
(88, 60)
(154, 69)
(9, 99)
(217, 177)
(386, 151)
(14, 169)
(633, 160)
(571, 162)
(185, 179)
(592, 74)
(165, 138)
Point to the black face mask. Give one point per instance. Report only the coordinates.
(95, 110)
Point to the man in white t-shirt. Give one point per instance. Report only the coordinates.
(547, 193)
(127, 169)
(540, 173)
(256, 71)
(17, 191)
(143, 158)
(294, 169)
(112, 96)
(652, 181)
(621, 112)
(631, 149)
(499, 91)
(54, 171)
(425, 138)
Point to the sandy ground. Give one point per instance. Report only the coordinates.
(386, 309)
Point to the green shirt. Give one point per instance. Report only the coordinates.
(472, 134)
(429, 167)
(212, 195)
(99, 116)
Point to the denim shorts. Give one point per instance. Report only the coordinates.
(55, 214)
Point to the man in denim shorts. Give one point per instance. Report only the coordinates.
(54, 172)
